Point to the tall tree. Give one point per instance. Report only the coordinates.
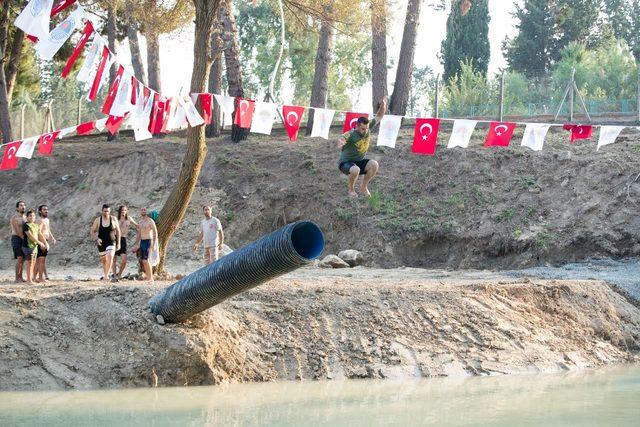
(321, 73)
(175, 207)
(575, 21)
(529, 51)
(134, 44)
(378, 51)
(402, 85)
(215, 79)
(5, 121)
(467, 38)
(623, 16)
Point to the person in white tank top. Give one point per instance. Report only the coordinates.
(212, 235)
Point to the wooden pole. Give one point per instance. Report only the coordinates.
(51, 123)
(501, 114)
(437, 100)
(22, 121)
(80, 111)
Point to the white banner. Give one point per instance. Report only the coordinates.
(226, 108)
(608, 135)
(92, 56)
(122, 102)
(193, 117)
(27, 146)
(322, 119)
(101, 124)
(48, 46)
(66, 131)
(35, 18)
(461, 133)
(263, 117)
(389, 129)
(534, 135)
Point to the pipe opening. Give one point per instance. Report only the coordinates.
(308, 240)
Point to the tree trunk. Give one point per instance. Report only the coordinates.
(5, 119)
(134, 47)
(232, 62)
(176, 205)
(11, 69)
(153, 61)
(400, 96)
(378, 51)
(111, 37)
(215, 82)
(321, 74)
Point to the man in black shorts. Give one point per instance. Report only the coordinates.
(17, 236)
(354, 145)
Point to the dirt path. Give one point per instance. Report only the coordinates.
(314, 324)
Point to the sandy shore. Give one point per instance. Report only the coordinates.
(314, 324)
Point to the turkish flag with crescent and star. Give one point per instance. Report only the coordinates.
(244, 112)
(10, 160)
(45, 145)
(500, 134)
(351, 121)
(292, 115)
(113, 91)
(579, 131)
(425, 138)
(88, 31)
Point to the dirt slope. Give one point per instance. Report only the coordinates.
(476, 207)
(312, 326)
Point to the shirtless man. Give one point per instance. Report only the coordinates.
(125, 224)
(212, 234)
(33, 239)
(105, 231)
(45, 229)
(145, 241)
(17, 237)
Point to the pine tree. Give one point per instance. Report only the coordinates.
(575, 21)
(528, 53)
(467, 38)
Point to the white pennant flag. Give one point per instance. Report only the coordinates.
(608, 135)
(389, 129)
(27, 146)
(35, 18)
(461, 133)
(66, 131)
(93, 54)
(142, 116)
(193, 117)
(263, 117)
(322, 119)
(226, 104)
(48, 46)
(101, 124)
(534, 135)
(122, 103)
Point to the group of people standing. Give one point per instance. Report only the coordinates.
(31, 239)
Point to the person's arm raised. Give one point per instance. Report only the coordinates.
(382, 110)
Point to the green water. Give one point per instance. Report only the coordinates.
(609, 397)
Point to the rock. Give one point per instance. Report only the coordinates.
(352, 257)
(332, 261)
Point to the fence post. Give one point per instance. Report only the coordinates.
(79, 110)
(51, 123)
(24, 106)
(571, 94)
(501, 113)
(638, 65)
(438, 96)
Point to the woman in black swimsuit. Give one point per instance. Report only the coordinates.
(106, 233)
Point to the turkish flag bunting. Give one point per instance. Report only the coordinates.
(62, 5)
(500, 134)
(244, 112)
(154, 112)
(98, 79)
(206, 103)
(579, 131)
(425, 137)
(45, 145)
(113, 124)
(351, 121)
(160, 115)
(86, 128)
(86, 34)
(292, 117)
(134, 90)
(113, 91)
(10, 160)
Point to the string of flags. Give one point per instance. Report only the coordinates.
(147, 112)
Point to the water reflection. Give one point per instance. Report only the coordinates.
(604, 397)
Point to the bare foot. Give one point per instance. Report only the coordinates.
(365, 191)
(353, 194)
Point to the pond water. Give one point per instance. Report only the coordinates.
(608, 397)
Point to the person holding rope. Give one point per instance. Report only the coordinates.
(354, 145)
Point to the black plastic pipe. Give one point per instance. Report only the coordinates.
(280, 252)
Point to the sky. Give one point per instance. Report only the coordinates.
(176, 55)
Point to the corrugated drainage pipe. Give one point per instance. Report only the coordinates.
(280, 252)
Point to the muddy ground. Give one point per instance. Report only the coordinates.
(313, 324)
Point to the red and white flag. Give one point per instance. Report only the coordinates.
(45, 145)
(99, 77)
(87, 71)
(500, 134)
(113, 91)
(292, 115)
(579, 131)
(193, 117)
(60, 6)
(389, 129)
(113, 123)
(86, 128)
(425, 137)
(534, 136)
(122, 102)
(86, 34)
(322, 119)
(27, 148)
(263, 117)
(351, 121)
(48, 46)
(461, 133)
(226, 104)
(206, 104)
(244, 112)
(10, 160)
(35, 18)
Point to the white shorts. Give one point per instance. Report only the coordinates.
(108, 249)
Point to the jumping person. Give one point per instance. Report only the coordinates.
(145, 241)
(17, 236)
(125, 224)
(212, 234)
(32, 239)
(105, 231)
(47, 234)
(354, 145)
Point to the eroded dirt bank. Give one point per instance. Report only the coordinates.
(312, 326)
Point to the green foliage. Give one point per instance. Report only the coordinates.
(468, 88)
(467, 39)
(423, 84)
(575, 21)
(344, 214)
